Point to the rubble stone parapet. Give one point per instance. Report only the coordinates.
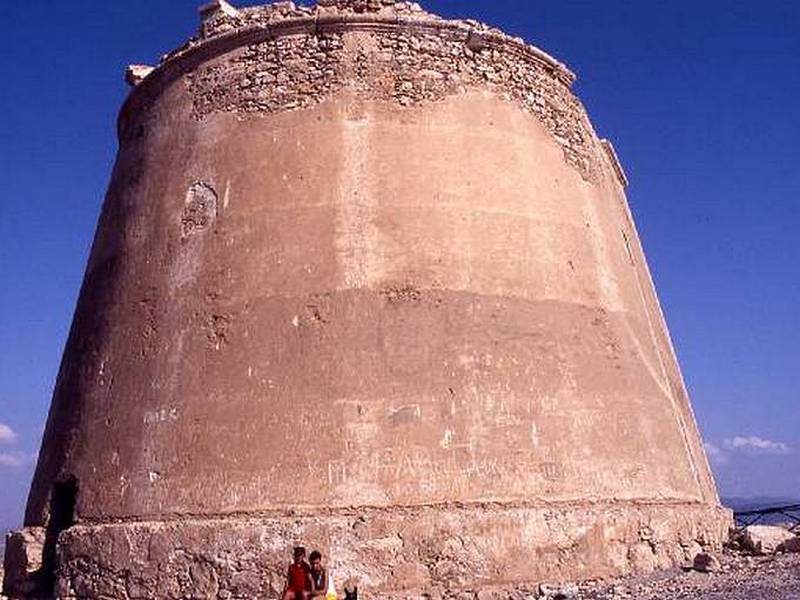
(278, 57)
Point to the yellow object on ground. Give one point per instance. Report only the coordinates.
(331, 594)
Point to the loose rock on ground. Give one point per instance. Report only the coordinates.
(740, 577)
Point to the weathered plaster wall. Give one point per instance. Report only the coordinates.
(360, 263)
(320, 324)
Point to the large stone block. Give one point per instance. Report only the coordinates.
(765, 539)
(23, 562)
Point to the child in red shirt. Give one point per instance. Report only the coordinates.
(298, 578)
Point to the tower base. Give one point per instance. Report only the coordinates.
(391, 553)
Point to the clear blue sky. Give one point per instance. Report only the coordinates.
(702, 100)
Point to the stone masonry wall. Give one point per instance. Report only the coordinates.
(379, 50)
(402, 554)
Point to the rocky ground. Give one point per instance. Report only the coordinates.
(740, 577)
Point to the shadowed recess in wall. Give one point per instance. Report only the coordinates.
(62, 516)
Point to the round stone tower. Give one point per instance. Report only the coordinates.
(366, 280)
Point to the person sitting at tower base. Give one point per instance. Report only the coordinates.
(319, 576)
(298, 578)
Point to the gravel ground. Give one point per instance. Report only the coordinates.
(740, 578)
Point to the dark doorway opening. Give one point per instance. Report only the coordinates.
(63, 501)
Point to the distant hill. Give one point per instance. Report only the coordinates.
(761, 503)
(757, 502)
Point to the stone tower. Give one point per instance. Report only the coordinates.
(365, 279)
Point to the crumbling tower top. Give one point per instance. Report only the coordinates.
(423, 57)
(221, 19)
